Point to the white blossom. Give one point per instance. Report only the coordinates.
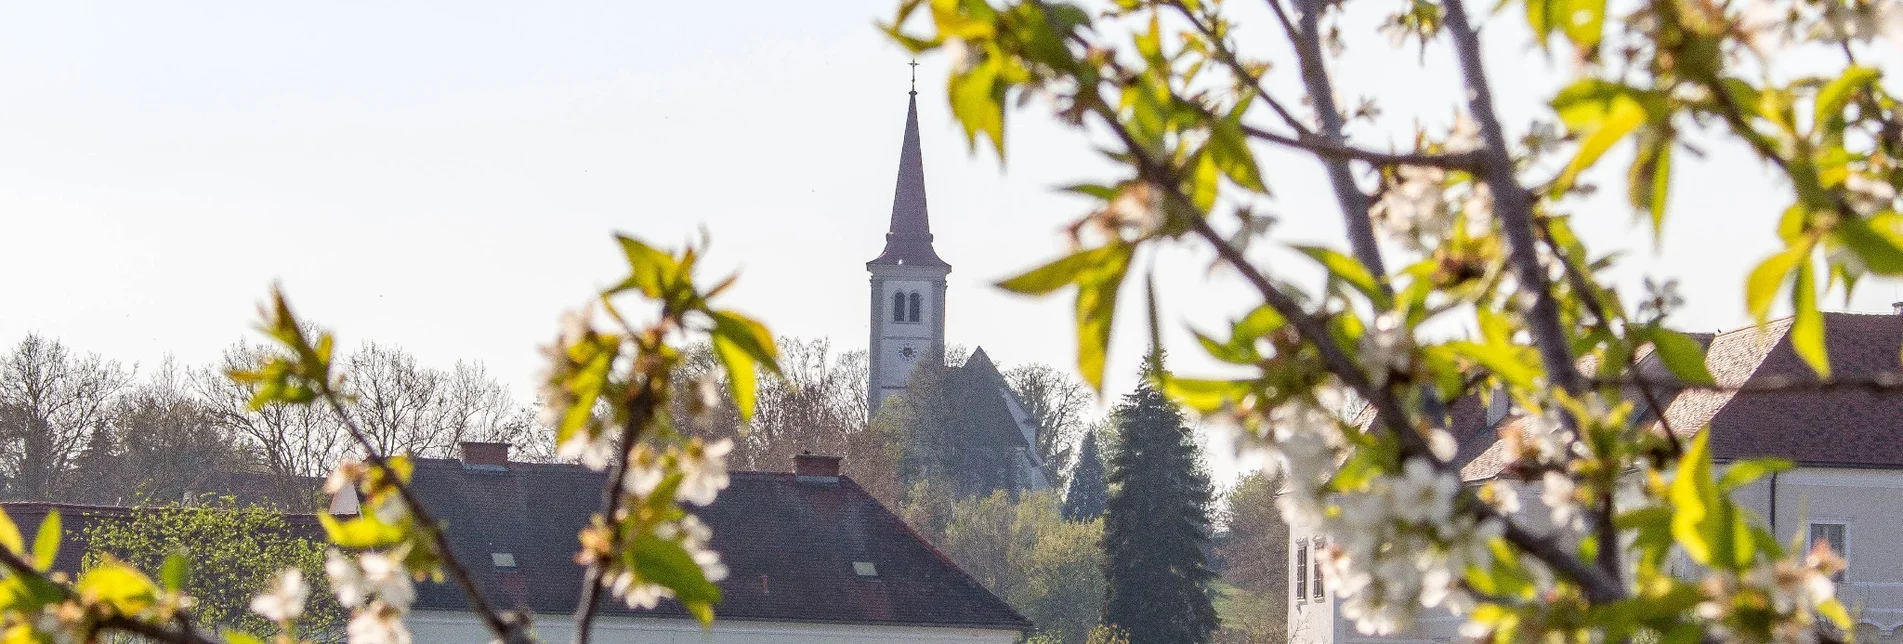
(378, 625)
(592, 448)
(645, 471)
(1412, 205)
(386, 576)
(1387, 348)
(284, 600)
(1557, 493)
(704, 471)
(1465, 135)
(346, 579)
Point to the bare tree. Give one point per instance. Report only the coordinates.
(291, 442)
(53, 400)
(1058, 402)
(396, 400)
(171, 443)
(475, 407)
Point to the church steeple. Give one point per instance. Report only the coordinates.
(908, 242)
(908, 282)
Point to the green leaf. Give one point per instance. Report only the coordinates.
(119, 586)
(10, 534)
(1206, 395)
(1807, 325)
(364, 531)
(1205, 182)
(1831, 100)
(1649, 181)
(176, 572)
(1602, 113)
(1764, 281)
(1539, 16)
(1682, 355)
(1584, 22)
(977, 101)
(1742, 473)
(241, 637)
(1097, 309)
(1695, 503)
(665, 562)
(1098, 274)
(1349, 270)
(741, 343)
(46, 543)
(1833, 610)
(1055, 275)
(1875, 241)
(649, 269)
(1229, 150)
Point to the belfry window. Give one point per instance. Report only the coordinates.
(898, 307)
(912, 311)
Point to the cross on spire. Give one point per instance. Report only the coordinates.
(914, 65)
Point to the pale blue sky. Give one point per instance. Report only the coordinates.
(444, 176)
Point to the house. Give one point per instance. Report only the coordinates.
(1846, 442)
(812, 557)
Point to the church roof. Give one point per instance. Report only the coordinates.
(909, 240)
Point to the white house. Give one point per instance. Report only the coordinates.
(1847, 488)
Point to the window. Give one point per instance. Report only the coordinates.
(1301, 570)
(898, 307)
(1836, 536)
(1319, 544)
(914, 307)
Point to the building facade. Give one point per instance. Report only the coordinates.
(1846, 488)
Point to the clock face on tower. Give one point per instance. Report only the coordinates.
(908, 353)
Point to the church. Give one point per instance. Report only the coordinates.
(989, 428)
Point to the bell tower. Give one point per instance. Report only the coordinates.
(908, 280)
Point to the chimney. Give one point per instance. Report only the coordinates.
(485, 456)
(1896, 307)
(812, 468)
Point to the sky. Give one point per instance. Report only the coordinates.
(446, 176)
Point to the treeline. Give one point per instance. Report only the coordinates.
(79, 427)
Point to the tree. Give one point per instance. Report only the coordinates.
(169, 447)
(1253, 553)
(1089, 491)
(51, 402)
(231, 552)
(1057, 402)
(294, 443)
(1156, 526)
(1467, 230)
(1049, 569)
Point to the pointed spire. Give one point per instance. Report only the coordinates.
(909, 241)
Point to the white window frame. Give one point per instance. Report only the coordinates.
(1301, 571)
(1843, 549)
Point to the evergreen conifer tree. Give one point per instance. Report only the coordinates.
(1088, 491)
(1156, 526)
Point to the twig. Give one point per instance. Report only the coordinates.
(1513, 206)
(185, 634)
(1321, 94)
(643, 410)
(1332, 152)
(509, 630)
(1228, 58)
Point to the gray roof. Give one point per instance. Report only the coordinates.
(909, 241)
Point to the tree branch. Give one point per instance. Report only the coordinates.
(1469, 161)
(185, 634)
(510, 630)
(1513, 206)
(643, 411)
(1321, 94)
